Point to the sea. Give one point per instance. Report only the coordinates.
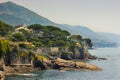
(110, 69)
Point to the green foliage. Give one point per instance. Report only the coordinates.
(8, 37)
(14, 47)
(51, 36)
(23, 53)
(66, 33)
(36, 27)
(4, 47)
(76, 38)
(88, 42)
(25, 45)
(33, 39)
(38, 44)
(72, 47)
(67, 53)
(60, 43)
(18, 37)
(5, 29)
(31, 55)
(41, 57)
(25, 32)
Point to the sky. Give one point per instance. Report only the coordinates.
(98, 15)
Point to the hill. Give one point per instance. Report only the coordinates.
(14, 14)
(5, 28)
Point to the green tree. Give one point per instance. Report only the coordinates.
(66, 33)
(60, 43)
(26, 33)
(76, 38)
(19, 37)
(72, 47)
(36, 27)
(38, 44)
(88, 42)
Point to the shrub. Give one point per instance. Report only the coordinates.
(41, 57)
(19, 37)
(25, 45)
(4, 47)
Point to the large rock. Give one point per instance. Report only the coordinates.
(42, 64)
(80, 64)
(92, 67)
(80, 52)
(72, 65)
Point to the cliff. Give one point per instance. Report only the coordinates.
(22, 57)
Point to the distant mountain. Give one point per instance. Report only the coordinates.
(111, 36)
(97, 38)
(14, 14)
(86, 32)
(5, 28)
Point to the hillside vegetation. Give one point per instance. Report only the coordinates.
(24, 41)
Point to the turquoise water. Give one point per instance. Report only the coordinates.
(111, 69)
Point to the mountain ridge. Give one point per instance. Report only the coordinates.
(21, 12)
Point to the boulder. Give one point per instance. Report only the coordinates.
(43, 64)
(80, 64)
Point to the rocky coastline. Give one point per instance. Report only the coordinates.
(54, 62)
(59, 64)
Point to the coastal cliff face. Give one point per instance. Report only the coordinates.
(22, 55)
(16, 62)
(21, 59)
(80, 53)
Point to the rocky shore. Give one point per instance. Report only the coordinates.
(58, 63)
(64, 61)
(73, 65)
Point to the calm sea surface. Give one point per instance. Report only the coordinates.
(111, 69)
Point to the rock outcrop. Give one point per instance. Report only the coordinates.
(80, 53)
(43, 65)
(73, 65)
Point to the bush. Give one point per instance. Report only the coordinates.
(23, 53)
(19, 37)
(4, 48)
(41, 57)
(38, 44)
(31, 55)
(25, 45)
(72, 48)
(88, 42)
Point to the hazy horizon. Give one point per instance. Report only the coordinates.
(100, 16)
